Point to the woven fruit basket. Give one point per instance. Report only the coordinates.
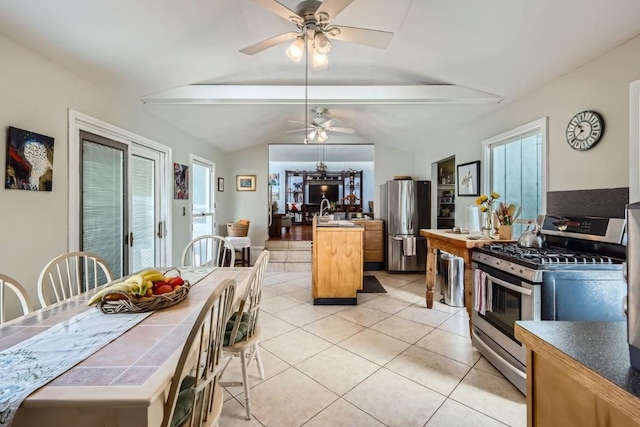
(131, 304)
(126, 297)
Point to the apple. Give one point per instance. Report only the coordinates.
(164, 289)
(175, 281)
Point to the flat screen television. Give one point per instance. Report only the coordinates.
(330, 191)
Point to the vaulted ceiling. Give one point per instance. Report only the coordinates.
(144, 48)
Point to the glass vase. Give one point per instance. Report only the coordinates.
(487, 224)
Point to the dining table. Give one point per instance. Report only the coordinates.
(125, 383)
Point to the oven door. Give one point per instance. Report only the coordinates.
(512, 299)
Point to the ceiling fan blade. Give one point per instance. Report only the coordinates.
(342, 130)
(299, 130)
(330, 122)
(266, 44)
(297, 122)
(373, 38)
(332, 7)
(281, 10)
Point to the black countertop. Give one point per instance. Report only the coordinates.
(599, 346)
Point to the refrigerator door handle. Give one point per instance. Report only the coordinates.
(396, 238)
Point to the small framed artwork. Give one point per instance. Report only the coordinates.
(180, 181)
(29, 161)
(245, 182)
(469, 179)
(221, 184)
(274, 179)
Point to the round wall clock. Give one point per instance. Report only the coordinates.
(584, 130)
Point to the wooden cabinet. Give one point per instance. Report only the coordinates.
(579, 375)
(294, 194)
(373, 239)
(337, 264)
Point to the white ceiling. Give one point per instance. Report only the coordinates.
(140, 48)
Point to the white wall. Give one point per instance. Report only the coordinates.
(601, 85)
(36, 95)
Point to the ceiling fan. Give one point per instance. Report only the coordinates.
(313, 19)
(320, 125)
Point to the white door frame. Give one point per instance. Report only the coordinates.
(79, 121)
(212, 188)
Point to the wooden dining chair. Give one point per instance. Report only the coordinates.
(195, 397)
(209, 251)
(243, 332)
(71, 274)
(8, 283)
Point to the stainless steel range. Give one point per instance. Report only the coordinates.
(577, 277)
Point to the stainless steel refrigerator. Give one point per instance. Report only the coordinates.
(405, 207)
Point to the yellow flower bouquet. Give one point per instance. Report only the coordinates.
(486, 202)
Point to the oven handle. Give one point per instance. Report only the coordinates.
(508, 285)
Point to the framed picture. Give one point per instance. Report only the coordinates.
(469, 179)
(29, 161)
(180, 181)
(221, 184)
(274, 179)
(245, 182)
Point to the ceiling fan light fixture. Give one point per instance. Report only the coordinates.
(322, 136)
(296, 50)
(319, 59)
(321, 43)
(311, 136)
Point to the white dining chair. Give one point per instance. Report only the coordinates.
(243, 332)
(209, 251)
(8, 283)
(195, 397)
(71, 274)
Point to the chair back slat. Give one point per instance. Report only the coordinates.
(7, 282)
(71, 274)
(201, 357)
(250, 303)
(210, 251)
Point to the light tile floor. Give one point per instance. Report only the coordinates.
(386, 362)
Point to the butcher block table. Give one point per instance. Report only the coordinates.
(125, 382)
(456, 244)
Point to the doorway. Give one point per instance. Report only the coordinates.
(119, 198)
(289, 164)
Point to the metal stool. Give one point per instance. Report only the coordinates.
(242, 245)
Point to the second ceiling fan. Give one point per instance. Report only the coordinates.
(313, 19)
(320, 125)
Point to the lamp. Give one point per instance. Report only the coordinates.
(296, 49)
(322, 135)
(318, 46)
(321, 43)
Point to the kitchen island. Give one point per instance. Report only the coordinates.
(579, 374)
(338, 259)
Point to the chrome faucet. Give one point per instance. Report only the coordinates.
(322, 207)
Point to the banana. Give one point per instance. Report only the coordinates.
(153, 275)
(124, 287)
(136, 278)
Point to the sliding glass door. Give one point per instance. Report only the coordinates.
(120, 204)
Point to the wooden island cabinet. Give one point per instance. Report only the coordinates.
(579, 375)
(373, 239)
(338, 263)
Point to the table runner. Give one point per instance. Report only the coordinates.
(29, 365)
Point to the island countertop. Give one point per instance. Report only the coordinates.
(593, 354)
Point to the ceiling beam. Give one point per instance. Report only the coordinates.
(263, 94)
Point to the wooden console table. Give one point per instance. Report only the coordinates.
(456, 244)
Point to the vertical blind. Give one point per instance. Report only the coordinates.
(103, 203)
(143, 221)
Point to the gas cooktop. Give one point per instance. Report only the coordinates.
(545, 256)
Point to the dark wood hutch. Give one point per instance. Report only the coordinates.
(304, 190)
